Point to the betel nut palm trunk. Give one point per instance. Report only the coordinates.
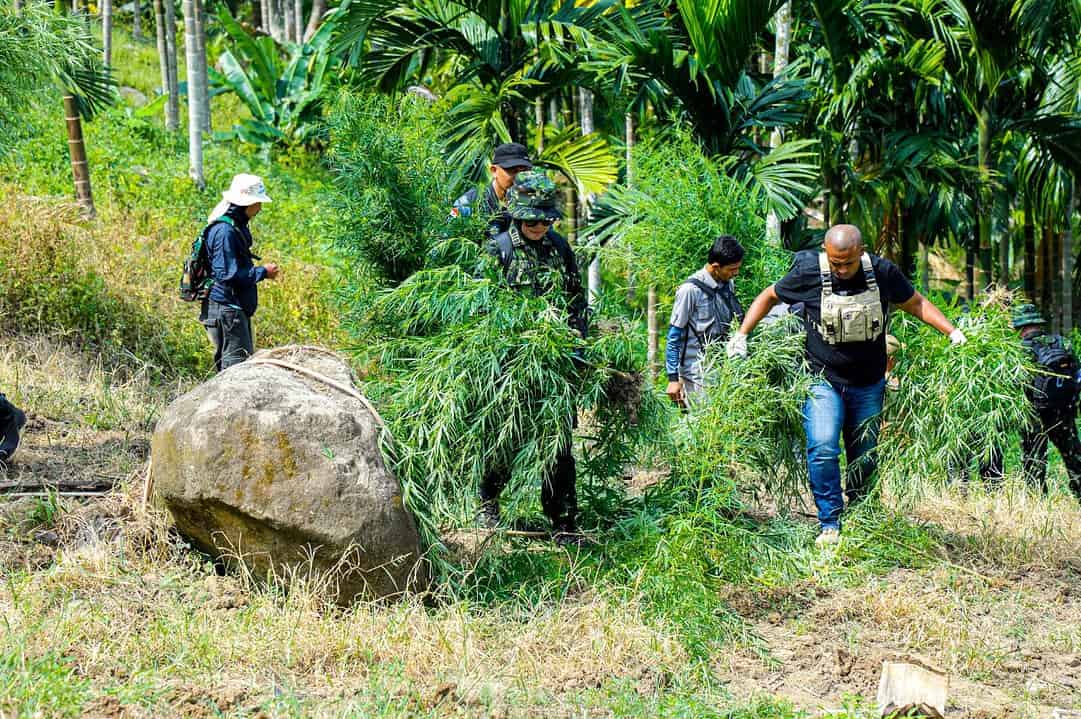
(195, 126)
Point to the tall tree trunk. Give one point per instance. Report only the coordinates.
(195, 117)
(172, 105)
(538, 120)
(1004, 249)
(290, 19)
(1029, 232)
(270, 17)
(319, 9)
(970, 272)
(1068, 260)
(202, 84)
(18, 5)
(163, 51)
(257, 19)
(985, 204)
(80, 170)
(298, 19)
(783, 40)
(586, 99)
(136, 20)
(1044, 272)
(107, 32)
(908, 240)
(925, 266)
(166, 39)
(1054, 269)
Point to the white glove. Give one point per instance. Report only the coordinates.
(957, 337)
(737, 345)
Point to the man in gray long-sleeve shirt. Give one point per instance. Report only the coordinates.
(704, 308)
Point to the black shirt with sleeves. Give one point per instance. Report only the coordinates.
(858, 364)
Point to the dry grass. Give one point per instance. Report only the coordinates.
(52, 378)
(1013, 528)
(125, 601)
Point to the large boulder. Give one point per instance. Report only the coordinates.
(282, 470)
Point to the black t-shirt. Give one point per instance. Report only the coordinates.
(850, 363)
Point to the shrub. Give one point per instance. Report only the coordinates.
(393, 198)
(683, 200)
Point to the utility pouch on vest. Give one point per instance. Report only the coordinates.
(850, 318)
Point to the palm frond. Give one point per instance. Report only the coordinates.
(587, 161)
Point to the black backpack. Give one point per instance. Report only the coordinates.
(196, 278)
(1055, 386)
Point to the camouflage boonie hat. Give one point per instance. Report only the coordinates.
(1026, 314)
(533, 197)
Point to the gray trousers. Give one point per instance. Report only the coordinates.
(229, 330)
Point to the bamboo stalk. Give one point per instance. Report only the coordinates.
(654, 334)
(80, 170)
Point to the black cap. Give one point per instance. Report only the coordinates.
(511, 154)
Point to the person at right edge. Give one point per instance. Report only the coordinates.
(12, 420)
(846, 294)
(1053, 392)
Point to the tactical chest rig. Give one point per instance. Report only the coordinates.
(528, 268)
(850, 318)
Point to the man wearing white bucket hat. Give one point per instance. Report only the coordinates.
(234, 297)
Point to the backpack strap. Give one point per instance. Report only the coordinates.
(711, 293)
(824, 272)
(232, 223)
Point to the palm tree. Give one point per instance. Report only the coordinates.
(691, 62)
(38, 46)
(494, 58)
(1001, 60)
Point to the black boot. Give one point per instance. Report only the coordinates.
(567, 534)
(12, 420)
(488, 514)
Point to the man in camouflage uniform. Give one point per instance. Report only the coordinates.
(508, 160)
(537, 259)
(1053, 394)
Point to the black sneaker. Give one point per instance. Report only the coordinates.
(488, 515)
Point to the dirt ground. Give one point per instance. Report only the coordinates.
(1009, 642)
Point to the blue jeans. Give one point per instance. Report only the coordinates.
(830, 411)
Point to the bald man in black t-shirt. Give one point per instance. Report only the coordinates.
(846, 294)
